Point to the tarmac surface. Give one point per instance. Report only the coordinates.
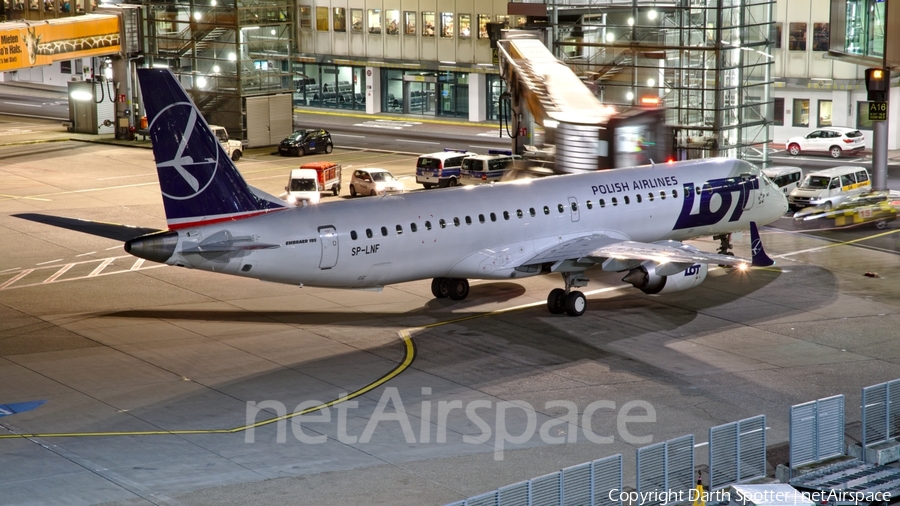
(164, 386)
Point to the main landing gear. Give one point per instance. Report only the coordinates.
(571, 302)
(455, 288)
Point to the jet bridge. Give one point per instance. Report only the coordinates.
(588, 134)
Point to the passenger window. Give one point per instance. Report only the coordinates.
(627, 200)
(615, 202)
(847, 180)
(574, 206)
(862, 176)
(561, 208)
(505, 215)
(353, 234)
(546, 210)
(650, 196)
(493, 217)
(835, 183)
(589, 204)
(602, 203)
(369, 233)
(384, 231)
(674, 194)
(455, 221)
(442, 223)
(662, 195)
(532, 212)
(399, 229)
(480, 218)
(468, 220)
(413, 227)
(638, 197)
(519, 213)
(427, 225)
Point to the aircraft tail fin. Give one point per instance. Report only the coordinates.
(199, 183)
(759, 258)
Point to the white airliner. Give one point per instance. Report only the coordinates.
(628, 220)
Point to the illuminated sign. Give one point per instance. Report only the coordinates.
(28, 45)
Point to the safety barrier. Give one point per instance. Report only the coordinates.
(816, 431)
(587, 484)
(665, 467)
(880, 413)
(737, 452)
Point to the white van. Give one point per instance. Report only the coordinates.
(303, 186)
(828, 188)
(787, 178)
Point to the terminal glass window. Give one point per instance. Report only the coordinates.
(820, 36)
(374, 21)
(392, 20)
(465, 28)
(824, 113)
(322, 19)
(305, 16)
(797, 37)
(855, 37)
(778, 35)
(778, 118)
(801, 112)
(876, 28)
(409, 22)
(340, 19)
(428, 24)
(356, 20)
(447, 25)
(503, 19)
(862, 116)
(483, 20)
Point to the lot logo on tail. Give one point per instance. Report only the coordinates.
(193, 158)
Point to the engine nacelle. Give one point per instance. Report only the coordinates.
(646, 280)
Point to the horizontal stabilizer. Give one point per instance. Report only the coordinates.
(101, 229)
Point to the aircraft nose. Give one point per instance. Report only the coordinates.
(156, 247)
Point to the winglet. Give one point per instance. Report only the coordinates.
(759, 258)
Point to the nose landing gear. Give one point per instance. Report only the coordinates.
(571, 302)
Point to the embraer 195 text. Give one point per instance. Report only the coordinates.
(629, 220)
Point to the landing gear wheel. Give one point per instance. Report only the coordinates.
(352, 191)
(836, 151)
(575, 303)
(556, 301)
(329, 148)
(440, 288)
(459, 288)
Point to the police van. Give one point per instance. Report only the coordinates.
(441, 168)
(828, 188)
(487, 168)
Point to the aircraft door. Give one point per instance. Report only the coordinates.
(749, 189)
(573, 205)
(328, 238)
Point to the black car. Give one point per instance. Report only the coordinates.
(302, 142)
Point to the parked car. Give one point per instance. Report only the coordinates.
(302, 142)
(373, 182)
(308, 181)
(787, 178)
(832, 140)
(828, 188)
(486, 168)
(234, 148)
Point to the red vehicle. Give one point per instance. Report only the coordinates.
(328, 175)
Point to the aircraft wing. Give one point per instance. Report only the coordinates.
(618, 254)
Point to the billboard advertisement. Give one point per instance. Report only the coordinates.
(26, 44)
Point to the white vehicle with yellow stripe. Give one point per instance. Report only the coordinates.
(828, 188)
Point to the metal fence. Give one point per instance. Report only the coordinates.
(880, 413)
(737, 452)
(816, 430)
(587, 484)
(666, 466)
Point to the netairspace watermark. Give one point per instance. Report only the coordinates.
(520, 416)
(747, 497)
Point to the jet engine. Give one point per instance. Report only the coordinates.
(646, 279)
